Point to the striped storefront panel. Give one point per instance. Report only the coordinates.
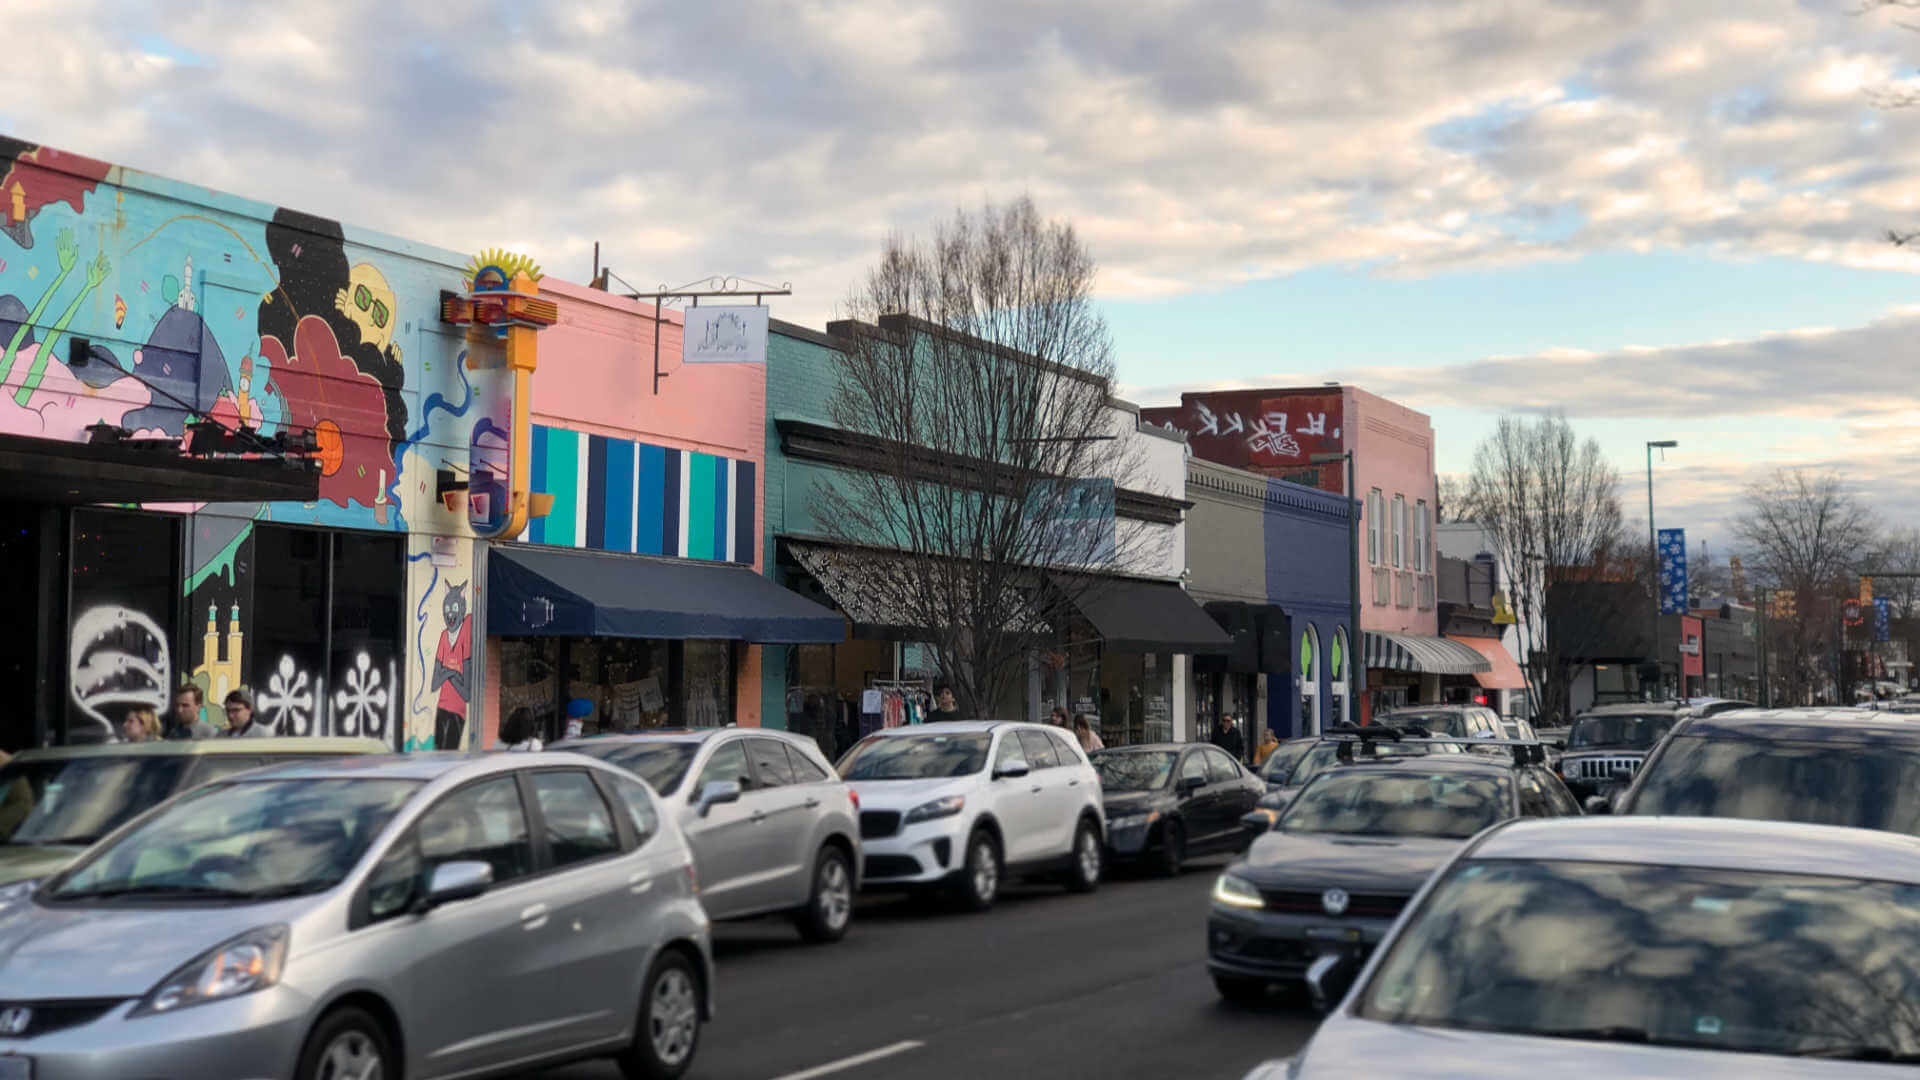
(621, 495)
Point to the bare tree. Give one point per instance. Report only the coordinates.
(976, 372)
(1550, 505)
(1806, 534)
(1898, 551)
(1894, 97)
(1455, 498)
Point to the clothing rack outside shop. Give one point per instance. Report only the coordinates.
(890, 703)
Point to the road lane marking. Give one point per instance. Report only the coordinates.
(852, 1062)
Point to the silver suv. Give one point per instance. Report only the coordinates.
(772, 828)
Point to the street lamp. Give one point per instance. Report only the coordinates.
(1653, 552)
(1356, 671)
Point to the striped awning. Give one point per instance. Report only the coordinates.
(1422, 653)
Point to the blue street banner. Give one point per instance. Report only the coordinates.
(1882, 619)
(1673, 571)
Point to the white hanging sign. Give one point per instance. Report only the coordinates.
(725, 335)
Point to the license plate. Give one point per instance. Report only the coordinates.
(1333, 933)
(16, 1068)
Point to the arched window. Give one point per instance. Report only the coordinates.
(1341, 673)
(1309, 681)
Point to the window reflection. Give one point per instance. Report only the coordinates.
(1729, 960)
(1863, 786)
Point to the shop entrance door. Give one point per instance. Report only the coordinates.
(29, 552)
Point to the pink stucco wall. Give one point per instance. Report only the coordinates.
(596, 376)
(1393, 451)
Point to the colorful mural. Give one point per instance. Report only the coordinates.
(199, 305)
(620, 495)
(440, 644)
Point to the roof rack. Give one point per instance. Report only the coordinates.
(1525, 751)
(1369, 731)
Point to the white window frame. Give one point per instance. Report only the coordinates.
(1399, 531)
(1376, 527)
(1420, 534)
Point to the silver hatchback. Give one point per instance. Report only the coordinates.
(773, 828)
(426, 916)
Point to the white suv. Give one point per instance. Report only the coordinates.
(965, 805)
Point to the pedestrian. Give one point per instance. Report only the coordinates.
(518, 732)
(140, 725)
(1059, 717)
(946, 706)
(577, 712)
(1268, 744)
(1226, 736)
(240, 722)
(185, 720)
(1089, 738)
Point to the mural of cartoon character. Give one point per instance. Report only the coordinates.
(450, 669)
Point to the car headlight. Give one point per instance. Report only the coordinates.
(1133, 821)
(1236, 892)
(252, 961)
(938, 808)
(18, 890)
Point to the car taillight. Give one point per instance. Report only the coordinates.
(855, 796)
(693, 880)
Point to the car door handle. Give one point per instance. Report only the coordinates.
(1036, 789)
(812, 803)
(639, 882)
(759, 816)
(533, 917)
(1073, 783)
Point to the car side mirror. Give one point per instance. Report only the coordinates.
(715, 793)
(1187, 785)
(1599, 804)
(1256, 822)
(1011, 770)
(462, 879)
(1557, 744)
(1329, 978)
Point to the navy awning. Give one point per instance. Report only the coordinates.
(564, 592)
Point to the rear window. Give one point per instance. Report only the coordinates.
(1639, 731)
(1863, 786)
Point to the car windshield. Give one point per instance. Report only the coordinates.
(1854, 784)
(1440, 723)
(78, 800)
(1627, 732)
(1323, 755)
(1718, 959)
(1134, 770)
(915, 757)
(247, 840)
(1285, 758)
(662, 764)
(1404, 802)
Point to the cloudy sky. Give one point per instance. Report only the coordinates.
(1666, 218)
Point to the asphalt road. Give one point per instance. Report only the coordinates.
(1110, 985)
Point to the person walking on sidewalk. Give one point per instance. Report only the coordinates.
(240, 721)
(1089, 738)
(1226, 736)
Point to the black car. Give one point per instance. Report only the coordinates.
(1817, 766)
(1165, 801)
(1605, 746)
(1297, 761)
(1351, 850)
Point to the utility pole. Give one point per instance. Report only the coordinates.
(1653, 555)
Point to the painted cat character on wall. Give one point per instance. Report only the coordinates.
(450, 669)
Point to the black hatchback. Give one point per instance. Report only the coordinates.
(1165, 801)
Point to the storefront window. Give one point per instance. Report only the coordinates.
(628, 684)
(1337, 702)
(288, 648)
(1136, 698)
(121, 653)
(324, 649)
(709, 683)
(364, 647)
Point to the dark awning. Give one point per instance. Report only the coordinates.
(1242, 624)
(872, 586)
(1132, 615)
(564, 592)
(51, 470)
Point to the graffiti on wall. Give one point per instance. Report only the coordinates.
(198, 305)
(118, 660)
(441, 633)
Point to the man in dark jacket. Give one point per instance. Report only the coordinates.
(1226, 736)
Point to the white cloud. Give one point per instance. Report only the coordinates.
(1198, 143)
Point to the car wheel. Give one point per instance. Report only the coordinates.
(1173, 849)
(829, 908)
(1084, 875)
(669, 1028)
(979, 882)
(348, 1044)
(1239, 990)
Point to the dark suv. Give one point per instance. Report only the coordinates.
(1606, 745)
(1820, 766)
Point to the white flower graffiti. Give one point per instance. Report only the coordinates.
(360, 703)
(288, 704)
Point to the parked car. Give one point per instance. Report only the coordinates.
(1350, 852)
(964, 805)
(432, 915)
(1309, 757)
(1453, 721)
(1820, 766)
(1606, 745)
(1713, 706)
(771, 827)
(1645, 948)
(1165, 801)
(56, 801)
